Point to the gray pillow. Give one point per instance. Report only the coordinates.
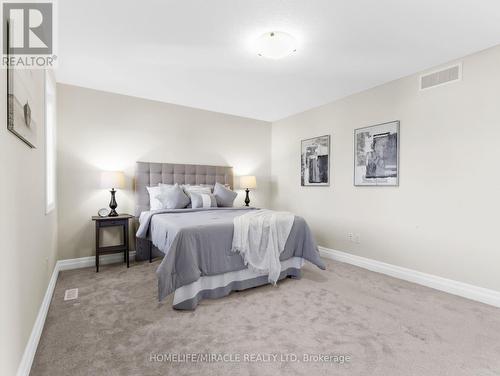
(225, 197)
(173, 198)
(202, 200)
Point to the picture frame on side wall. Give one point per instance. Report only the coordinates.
(23, 105)
(315, 161)
(376, 155)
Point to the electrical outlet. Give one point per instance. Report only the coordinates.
(357, 238)
(350, 236)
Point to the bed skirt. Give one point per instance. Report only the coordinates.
(211, 287)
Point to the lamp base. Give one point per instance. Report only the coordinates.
(247, 198)
(112, 204)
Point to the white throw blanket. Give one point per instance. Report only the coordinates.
(260, 237)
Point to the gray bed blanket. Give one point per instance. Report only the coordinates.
(197, 242)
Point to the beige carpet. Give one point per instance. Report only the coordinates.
(387, 327)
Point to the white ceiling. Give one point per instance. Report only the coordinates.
(196, 52)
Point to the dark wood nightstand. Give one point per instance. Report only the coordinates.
(100, 222)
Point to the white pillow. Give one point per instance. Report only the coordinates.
(154, 203)
(200, 189)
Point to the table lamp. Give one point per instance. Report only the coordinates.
(112, 179)
(248, 182)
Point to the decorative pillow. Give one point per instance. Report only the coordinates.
(173, 198)
(224, 196)
(211, 186)
(154, 203)
(200, 189)
(202, 200)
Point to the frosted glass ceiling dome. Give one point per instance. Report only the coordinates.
(276, 45)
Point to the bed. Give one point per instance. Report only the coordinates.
(196, 243)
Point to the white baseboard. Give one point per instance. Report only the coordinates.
(83, 262)
(464, 290)
(30, 349)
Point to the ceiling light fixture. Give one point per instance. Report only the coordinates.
(276, 45)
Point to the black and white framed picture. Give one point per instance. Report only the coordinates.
(376, 155)
(315, 161)
(23, 104)
(22, 108)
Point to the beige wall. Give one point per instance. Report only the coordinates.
(443, 218)
(104, 131)
(28, 235)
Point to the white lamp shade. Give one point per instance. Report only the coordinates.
(112, 179)
(248, 182)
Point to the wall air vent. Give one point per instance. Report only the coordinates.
(441, 77)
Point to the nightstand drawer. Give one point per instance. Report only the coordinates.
(117, 222)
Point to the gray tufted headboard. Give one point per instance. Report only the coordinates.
(150, 174)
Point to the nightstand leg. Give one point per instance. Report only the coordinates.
(127, 256)
(127, 253)
(97, 231)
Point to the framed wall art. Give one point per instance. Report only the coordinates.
(315, 161)
(376, 155)
(25, 92)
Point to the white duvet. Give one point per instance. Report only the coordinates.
(260, 237)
